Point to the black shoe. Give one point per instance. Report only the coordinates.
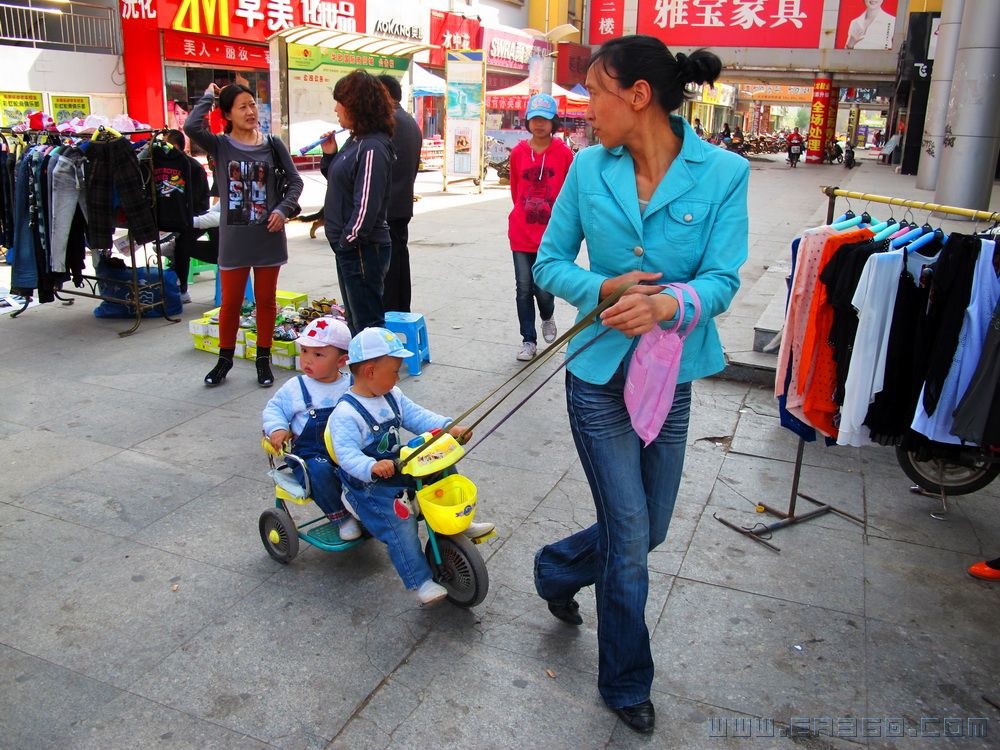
(640, 717)
(265, 377)
(219, 372)
(568, 612)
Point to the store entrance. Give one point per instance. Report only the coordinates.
(185, 85)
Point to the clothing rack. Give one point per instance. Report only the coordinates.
(136, 289)
(761, 532)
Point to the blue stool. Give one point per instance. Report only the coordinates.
(248, 295)
(411, 328)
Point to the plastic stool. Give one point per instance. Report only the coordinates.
(248, 295)
(411, 328)
(200, 266)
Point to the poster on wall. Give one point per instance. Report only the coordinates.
(866, 24)
(65, 108)
(313, 73)
(465, 71)
(15, 106)
(763, 23)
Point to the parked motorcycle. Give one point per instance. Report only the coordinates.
(833, 153)
(849, 161)
(794, 152)
(939, 468)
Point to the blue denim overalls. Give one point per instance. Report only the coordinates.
(380, 503)
(311, 448)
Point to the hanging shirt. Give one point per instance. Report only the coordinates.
(975, 323)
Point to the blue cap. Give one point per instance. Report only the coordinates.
(542, 105)
(372, 343)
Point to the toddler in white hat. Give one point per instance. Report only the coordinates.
(301, 408)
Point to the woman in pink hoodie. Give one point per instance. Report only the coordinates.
(538, 168)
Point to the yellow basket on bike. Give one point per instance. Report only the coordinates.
(449, 504)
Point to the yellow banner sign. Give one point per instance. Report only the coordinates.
(65, 108)
(15, 106)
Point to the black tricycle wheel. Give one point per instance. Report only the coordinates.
(939, 475)
(279, 535)
(462, 570)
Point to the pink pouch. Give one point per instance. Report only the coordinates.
(653, 371)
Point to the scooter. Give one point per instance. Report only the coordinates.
(943, 469)
(794, 151)
(849, 161)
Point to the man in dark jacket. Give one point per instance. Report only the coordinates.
(407, 141)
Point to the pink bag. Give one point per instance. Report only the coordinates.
(652, 373)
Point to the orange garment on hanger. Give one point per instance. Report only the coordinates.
(817, 368)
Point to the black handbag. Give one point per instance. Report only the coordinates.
(281, 180)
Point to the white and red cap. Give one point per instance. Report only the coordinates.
(326, 332)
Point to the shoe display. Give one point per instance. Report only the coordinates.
(350, 529)
(549, 330)
(640, 717)
(983, 571)
(430, 592)
(568, 612)
(477, 530)
(528, 351)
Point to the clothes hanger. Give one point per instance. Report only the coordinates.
(927, 238)
(890, 222)
(850, 220)
(908, 237)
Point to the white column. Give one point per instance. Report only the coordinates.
(937, 102)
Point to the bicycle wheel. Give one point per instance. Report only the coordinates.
(462, 570)
(279, 535)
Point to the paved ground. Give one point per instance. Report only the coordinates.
(140, 610)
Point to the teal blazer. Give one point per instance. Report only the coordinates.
(694, 230)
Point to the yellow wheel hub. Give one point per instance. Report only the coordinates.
(273, 536)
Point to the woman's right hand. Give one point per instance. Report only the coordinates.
(329, 144)
(638, 282)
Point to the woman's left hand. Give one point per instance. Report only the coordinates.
(636, 314)
(276, 222)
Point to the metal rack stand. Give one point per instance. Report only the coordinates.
(761, 532)
(137, 290)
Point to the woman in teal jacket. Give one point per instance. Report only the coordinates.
(655, 204)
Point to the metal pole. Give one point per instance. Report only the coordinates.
(937, 102)
(972, 133)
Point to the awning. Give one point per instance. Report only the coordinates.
(426, 83)
(516, 98)
(349, 40)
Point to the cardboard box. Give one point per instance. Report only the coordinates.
(204, 343)
(294, 299)
(198, 327)
(283, 361)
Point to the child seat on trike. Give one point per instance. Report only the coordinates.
(443, 499)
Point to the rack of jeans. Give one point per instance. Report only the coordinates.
(62, 194)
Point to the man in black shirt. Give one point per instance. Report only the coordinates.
(407, 140)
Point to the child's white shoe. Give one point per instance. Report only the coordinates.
(477, 530)
(430, 592)
(350, 529)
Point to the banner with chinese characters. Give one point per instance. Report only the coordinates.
(312, 74)
(817, 120)
(15, 106)
(738, 23)
(606, 20)
(465, 72)
(248, 20)
(866, 24)
(224, 53)
(65, 108)
(451, 31)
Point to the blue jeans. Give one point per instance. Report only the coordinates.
(324, 483)
(376, 506)
(526, 292)
(361, 271)
(634, 491)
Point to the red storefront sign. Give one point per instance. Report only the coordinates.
(219, 52)
(256, 20)
(606, 20)
(732, 23)
(817, 120)
(571, 64)
(451, 31)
